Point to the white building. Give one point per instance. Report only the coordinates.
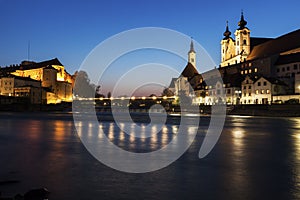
(261, 90)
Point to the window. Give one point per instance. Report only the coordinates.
(192, 59)
(288, 68)
(256, 91)
(249, 94)
(268, 91)
(250, 71)
(295, 66)
(238, 43)
(242, 72)
(249, 101)
(246, 71)
(249, 87)
(245, 42)
(262, 91)
(245, 87)
(265, 83)
(245, 94)
(258, 83)
(255, 69)
(283, 69)
(228, 91)
(278, 70)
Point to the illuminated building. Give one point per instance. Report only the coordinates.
(55, 82)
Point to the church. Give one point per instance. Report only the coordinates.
(255, 70)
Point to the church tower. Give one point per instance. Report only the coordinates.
(227, 46)
(192, 55)
(242, 39)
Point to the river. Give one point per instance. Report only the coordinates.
(255, 158)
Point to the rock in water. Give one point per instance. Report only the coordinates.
(37, 194)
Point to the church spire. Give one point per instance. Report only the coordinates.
(192, 46)
(192, 54)
(227, 33)
(242, 23)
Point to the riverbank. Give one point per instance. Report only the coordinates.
(266, 110)
(278, 110)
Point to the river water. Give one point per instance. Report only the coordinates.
(255, 158)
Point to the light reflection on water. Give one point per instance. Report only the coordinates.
(132, 140)
(255, 158)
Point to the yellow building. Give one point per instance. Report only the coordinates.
(236, 50)
(55, 80)
(21, 87)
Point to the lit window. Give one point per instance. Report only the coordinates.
(268, 91)
(250, 71)
(246, 71)
(262, 91)
(242, 72)
(255, 69)
(256, 91)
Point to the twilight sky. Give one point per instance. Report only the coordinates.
(69, 30)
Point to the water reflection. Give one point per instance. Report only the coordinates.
(133, 140)
(238, 135)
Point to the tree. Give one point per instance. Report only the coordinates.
(98, 93)
(108, 94)
(167, 92)
(82, 86)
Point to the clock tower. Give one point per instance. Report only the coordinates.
(242, 40)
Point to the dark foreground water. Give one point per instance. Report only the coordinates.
(255, 158)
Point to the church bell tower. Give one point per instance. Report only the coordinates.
(242, 39)
(192, 54)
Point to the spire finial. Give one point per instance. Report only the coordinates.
(227, 33)
(192, 46)
(242, 23)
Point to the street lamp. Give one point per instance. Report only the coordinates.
(238, 94)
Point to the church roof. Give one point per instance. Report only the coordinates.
(172, 84)
(276, 46)
(254, 41)
(189, 71)
(287, 59)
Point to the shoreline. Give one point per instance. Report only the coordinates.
(282, 110)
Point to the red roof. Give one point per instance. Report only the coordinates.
(276, 46)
